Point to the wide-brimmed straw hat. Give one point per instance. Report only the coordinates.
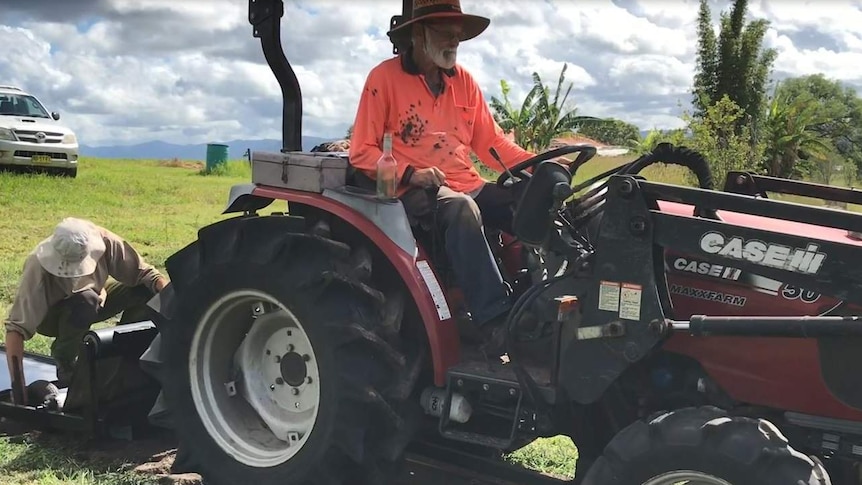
(445, 9)
(73, 250)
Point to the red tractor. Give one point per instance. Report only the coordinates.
(676, 334)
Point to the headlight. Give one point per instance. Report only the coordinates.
(7, 135)
(70, 138)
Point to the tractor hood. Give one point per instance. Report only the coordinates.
(824, 232)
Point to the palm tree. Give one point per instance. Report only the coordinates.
(540, 118)
(553, 120)
(790, 135)
(515, 120)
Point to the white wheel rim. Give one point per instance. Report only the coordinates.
(686, 477)
(255, 380)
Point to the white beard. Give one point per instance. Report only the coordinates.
(444, 58)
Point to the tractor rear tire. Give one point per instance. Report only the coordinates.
(256, 273)
(706, 446)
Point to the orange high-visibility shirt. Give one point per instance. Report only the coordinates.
(426, 130)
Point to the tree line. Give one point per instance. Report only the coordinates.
(741, 119)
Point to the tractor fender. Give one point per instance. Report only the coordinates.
(241, 199)
(386, 227)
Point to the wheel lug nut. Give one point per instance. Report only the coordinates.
(277, 359)
(308, 380)
(290, 347)
(306, 357)
(294, 391)
(279, 381)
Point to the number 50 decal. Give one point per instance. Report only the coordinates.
(792, 293)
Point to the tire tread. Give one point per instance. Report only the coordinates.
(751, 451)
(325, 281)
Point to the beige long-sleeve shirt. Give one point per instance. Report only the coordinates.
(39, 290)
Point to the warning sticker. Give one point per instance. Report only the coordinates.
(609, 296)
(630, 301)
(435, 290)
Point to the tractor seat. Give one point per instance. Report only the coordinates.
(421, 227)
(357, 179)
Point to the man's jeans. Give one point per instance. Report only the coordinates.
(70, 319)
(459, 220)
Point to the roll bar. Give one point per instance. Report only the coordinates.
(265, 18)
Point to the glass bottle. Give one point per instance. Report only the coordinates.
(387, 171)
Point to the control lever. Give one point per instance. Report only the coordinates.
(560, 193)
(497, 158)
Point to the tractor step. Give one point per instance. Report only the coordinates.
(434, 460)
(473, 363)
(496, 402)
(477, 365)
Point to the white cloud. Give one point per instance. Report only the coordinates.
(190, 71)
(650, 74)
(827, 17)
(621, 31)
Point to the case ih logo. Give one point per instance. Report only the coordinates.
(799, 260)
(708, 269)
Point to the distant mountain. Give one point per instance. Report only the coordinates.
(161, 150)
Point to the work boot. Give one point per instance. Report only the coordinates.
(64, 375)
(494, 333)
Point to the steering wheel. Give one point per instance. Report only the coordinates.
(585, 153)
(589, 203)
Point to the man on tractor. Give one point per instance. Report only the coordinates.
(65, 289)
(438, 115)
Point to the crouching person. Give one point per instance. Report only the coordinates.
(65, 288)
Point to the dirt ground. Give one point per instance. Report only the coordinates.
(152, 455)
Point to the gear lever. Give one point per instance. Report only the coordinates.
(497, 158)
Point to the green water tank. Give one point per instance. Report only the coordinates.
(216, 155)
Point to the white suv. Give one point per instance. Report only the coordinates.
(31, 137)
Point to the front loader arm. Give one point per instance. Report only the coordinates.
(626, 305)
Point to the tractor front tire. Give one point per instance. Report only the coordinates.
(705, 446)
(275, 367)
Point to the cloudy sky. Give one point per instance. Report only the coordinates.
(189, 71)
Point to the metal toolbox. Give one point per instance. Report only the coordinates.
(306, 171)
